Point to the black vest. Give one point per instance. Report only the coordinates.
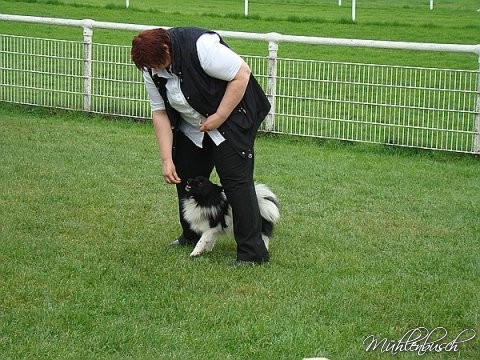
(204, 93)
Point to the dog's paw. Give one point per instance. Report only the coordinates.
(196, 252)
(209, 246)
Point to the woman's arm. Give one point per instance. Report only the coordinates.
(164, 135)
(233, 95)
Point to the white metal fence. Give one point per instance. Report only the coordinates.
(405, 106)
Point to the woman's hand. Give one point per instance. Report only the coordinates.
(212, 122)
(169, 173)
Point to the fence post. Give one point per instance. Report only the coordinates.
(271, 84)
(354, 10)
(87, 65)
(476, 136)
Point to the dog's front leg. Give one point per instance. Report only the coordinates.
(206, 243)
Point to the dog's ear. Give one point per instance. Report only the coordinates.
(217, 188)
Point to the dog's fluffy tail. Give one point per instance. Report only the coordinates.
(268, 203)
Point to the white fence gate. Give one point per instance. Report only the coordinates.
(406, 106)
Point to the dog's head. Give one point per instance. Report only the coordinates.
(201, 188)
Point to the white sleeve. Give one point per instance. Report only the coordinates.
(216, 59)
(156, 100)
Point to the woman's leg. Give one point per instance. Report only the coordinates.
(236, 175)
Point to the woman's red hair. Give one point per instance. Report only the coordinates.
(148, 48)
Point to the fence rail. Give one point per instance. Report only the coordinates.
(406, 106)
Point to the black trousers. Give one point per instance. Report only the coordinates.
(236, 176)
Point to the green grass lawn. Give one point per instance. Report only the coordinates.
(373, 240)
(452, 21)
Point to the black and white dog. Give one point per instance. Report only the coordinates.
(208, 212)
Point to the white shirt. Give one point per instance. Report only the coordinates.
(219, 62)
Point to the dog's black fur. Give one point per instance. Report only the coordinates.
(208, 212)
(208, 195)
